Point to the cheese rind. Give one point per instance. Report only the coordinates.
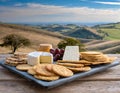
(35, 58)
(71, 53)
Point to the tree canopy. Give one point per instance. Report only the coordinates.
(71, 42)
(14, 41)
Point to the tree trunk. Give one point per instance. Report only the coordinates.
(14, 49)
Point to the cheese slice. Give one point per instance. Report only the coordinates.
(46, 57)
(71, 53)
(33, 58)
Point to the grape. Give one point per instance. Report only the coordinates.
(56, 57)
(52, 51)
(62, 51)
(57, 51)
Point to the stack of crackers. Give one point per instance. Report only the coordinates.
(75, 66)
(46, 72)
(87, 59)
(95, 58)
(16, 59)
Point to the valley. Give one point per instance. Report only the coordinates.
(105, 38)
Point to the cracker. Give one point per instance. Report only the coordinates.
(47, 78)
(62, 71)
(76, 62)
(97, 63)
(87, 64)
(20, 55)
(7, 62)
(91, 53)
(31, 71)
(71, 64)
(102, 58)
(23, 67)
(41, 69)
(81, 69)
(112, 59)
(49, 67)
(11, 59)
(14, 63)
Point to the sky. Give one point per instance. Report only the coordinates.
(70, 11)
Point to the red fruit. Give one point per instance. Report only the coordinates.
(57, 51)
(52, 51)
(61, 51)
(56, 57)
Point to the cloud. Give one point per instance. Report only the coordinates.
(108, 3)
(18, 4)
(32, 12)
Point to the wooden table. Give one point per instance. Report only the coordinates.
(103, 82)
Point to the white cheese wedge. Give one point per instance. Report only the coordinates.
(71, 53)
(46, 57)
(34, 58)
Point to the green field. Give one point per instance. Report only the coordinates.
(110, 31)
(113, 34)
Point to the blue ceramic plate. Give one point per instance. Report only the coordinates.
(51, 84)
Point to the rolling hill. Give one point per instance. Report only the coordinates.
(73, 30)
(36, 36)
(96, 38)
(105, 46)
(109, 31)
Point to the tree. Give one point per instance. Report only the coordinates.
(70, 42)
(14, 41)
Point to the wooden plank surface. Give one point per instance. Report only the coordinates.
(103, 82)
(73, 87)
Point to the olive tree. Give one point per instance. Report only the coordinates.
(71, 42)
(14, 41)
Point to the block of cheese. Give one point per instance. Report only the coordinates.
(46, 57)
(39, 57)
(33, 58)
(71, 53)
(45, 47)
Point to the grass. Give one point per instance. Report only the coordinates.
(117, 26)
(36, 38)
(105, 46)
(113, 34)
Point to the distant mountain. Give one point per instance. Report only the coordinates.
(73, 31)
(84, 33)
(110, 31)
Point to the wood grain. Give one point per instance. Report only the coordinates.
(73, 87)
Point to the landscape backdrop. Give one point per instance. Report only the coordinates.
(96, 23)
